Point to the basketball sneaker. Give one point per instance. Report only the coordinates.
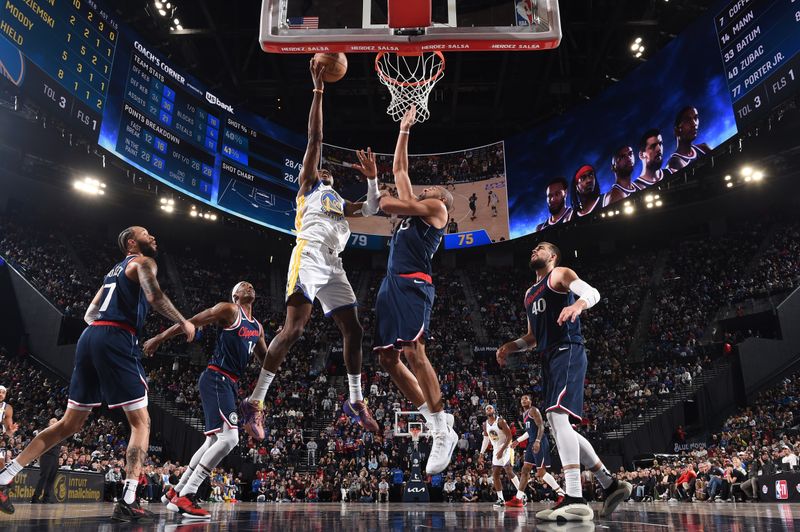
(253, 418)
(5, 500)
(544, 515)
(617, 491)
(514, 502)
(569, 509)
(131, 512)
(168, 495)
(358, 411)
(499, 503)
(189, 509)
(444, 443)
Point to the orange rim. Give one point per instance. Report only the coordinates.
(398, 83)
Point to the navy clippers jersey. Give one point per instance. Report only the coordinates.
(531, 428)
(543, 306)
(235, 344)
(123, 300)
(413, 244)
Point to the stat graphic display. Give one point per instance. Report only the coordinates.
(760, 45)
(61, 53)
(724, 73)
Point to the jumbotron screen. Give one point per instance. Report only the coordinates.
(727, 70)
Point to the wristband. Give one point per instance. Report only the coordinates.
(405, 132)
(318, 90)
(521, 344)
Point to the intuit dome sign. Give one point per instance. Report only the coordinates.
(68, 487)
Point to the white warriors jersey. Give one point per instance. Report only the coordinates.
(320, 217)
(3, 417)
(497, 436)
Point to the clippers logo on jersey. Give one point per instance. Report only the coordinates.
(332, 205)
(235, 344)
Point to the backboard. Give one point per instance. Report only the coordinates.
(371, 26)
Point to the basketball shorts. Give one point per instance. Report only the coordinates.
(506, 459)
(563, 374)
(402, 311)
(218, 395)
(542, 458)
(316, 271)
(108, 368)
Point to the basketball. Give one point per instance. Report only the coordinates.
(336, 66)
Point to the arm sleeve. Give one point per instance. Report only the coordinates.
(372, 205)
(523, 437)
(92, 313)
(485, 444)
(585, 291)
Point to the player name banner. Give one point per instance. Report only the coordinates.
(69, 486)
(783, 487)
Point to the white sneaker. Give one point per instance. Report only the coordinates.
(450, 419)
(444, 443)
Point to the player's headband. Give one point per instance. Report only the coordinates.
(487, 407)
(583, 170)
(235, 288)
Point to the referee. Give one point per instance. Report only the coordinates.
(48, 465)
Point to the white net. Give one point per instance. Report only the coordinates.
(410, 80)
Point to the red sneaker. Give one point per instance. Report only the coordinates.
(189, 509)
(359, 412)
(253, 418)
(168, 495)
(5, 500)
(515, 503)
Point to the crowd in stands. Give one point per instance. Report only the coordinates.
(314, 452)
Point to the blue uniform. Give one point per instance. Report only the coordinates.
(218, 383)
(108, 363)
(560, 346)
(542, 458)
(405, 298)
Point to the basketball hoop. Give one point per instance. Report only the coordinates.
(410, 79)
(415, 431)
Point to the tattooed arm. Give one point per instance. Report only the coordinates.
(145, 270)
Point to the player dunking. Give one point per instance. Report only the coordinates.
(537, 453)
(497, 432)
(405, 298)
(554, 329)
(240, 335)
(315, 269)
(108, 366)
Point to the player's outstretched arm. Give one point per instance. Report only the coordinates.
(223, 314)
(566, 279)
(146, 271)
(400, 165)
(308, 175)
(366, 165)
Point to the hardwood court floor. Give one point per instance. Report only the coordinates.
(329, 517)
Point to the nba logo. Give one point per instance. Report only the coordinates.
(781, 490)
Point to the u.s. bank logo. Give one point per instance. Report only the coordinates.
(332, 205)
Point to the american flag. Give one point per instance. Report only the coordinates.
(303, 23)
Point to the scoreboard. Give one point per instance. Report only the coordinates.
(759, 41)
(70, 47)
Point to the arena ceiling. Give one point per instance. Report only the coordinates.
(483, 96)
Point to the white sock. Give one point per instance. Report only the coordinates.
(197, 478)
(572, 478)
(260, 390)
(426, 412)
(550, 481)
(9, 472)
(500, 495)
(184, 479)
(129, 490)
(603, 477)
(355, 387)
(520, 494)
(438, 421)
(515, 481)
